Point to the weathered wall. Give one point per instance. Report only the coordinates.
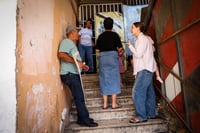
(41, 101)
(177, 27)
(7, 65)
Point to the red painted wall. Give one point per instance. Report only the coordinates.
(171, 17)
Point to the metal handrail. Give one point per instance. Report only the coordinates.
(173, 109)
(168, 101)
(179, 31)
(185, 84)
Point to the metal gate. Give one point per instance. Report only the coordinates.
(87, 11)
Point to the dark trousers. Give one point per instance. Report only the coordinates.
(74, 83)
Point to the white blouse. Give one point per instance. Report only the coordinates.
(86, 36)
(143, 57)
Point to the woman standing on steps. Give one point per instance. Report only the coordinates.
(109, 44)
(143, 93)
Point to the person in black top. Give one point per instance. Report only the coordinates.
(109, 44)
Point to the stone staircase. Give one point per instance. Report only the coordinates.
(112, 120)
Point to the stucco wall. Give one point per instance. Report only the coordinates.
(41, 100)
(7, 65)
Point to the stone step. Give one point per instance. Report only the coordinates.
(112, 120)
(97, 113)
(91, 77)
(94, 85)
(90, 88)
(121, 126)
(95, 92)
(98, 102)
(92, 80)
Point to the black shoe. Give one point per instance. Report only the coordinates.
(155, 117)
(91, 119)
(92, 124)
(89, 124)
(82, 72)
(80, 122)
(89, 72)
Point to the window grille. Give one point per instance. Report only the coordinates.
(87, 11)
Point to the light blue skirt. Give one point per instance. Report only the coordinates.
(109, 73)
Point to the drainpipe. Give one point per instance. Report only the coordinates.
(180, 60)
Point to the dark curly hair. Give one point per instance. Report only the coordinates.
(108, 23)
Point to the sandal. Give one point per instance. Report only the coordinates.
(118, 106)
(105, 107)
(136, 120)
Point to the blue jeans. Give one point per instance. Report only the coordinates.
(86, 53)
(74, 83)
(143, 95)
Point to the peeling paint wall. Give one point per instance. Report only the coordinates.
(41, 100)
(7, 65)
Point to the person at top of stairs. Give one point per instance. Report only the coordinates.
(70, 74)
(109, 44)
(86, 44)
